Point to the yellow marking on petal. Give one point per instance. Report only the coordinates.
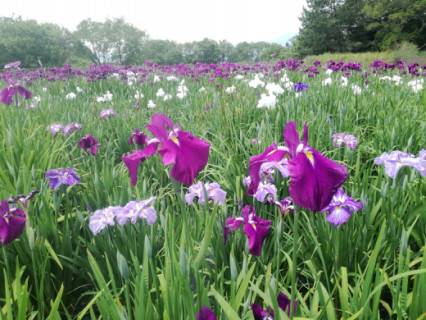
(254, 226)
(175, 140)
(7, 220)
(310, 157)
(271, 152)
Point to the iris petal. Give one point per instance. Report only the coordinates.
(313, 184)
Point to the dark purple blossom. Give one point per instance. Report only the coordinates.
(138, 137)
(300, 87)
(285, 205)
(12, 223)
(89, 144)
(255, 228)
(206, 314)
(340, 208)
(284, 303)
(62, 176)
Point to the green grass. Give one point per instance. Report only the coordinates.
(372, 267)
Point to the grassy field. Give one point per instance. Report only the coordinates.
(371, 267)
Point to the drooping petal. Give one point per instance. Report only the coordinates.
(158, 126)
(189, 155)
(206, 314)
(132, 163)
(231, 225)
(256, 233)
(271, 154)
(12, 224)
(24, 92)
(314, 179)
(285, 303)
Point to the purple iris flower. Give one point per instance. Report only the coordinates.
(189, 154)
(285, 205)
(12, 223)
(62, 176)
(7, 94)
(339, 209)
(138, 210)
(71, 127)
(284, 303)
(54, 128)
(347, 139)
(206, 314)
(314, 179)
(300, 87)
(103, 217)
(136, 106)
(138, 137)
(89, 144)
(255, 228)
(107, 113)
(397, 159)
(213, 190)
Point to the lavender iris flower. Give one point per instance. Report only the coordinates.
(54, 128)
(107, 113)
(314, 179)
(264, 190)
(339, 209)
(255, 228)
(206, 314)
(213, 190)
(7, 94)
(103, 217)
(138, 137)
(189, 154)
(89, 144)
(133, 211)
(284, 303)
(138, 210)
(347, 139)
(71, 127)
(62, 176)
(12, 223)
(397, 159)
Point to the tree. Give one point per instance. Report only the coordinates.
(32, 43)
(397, 20)
(226, 48)
(112, 41)
(208, 51)
(162, 52)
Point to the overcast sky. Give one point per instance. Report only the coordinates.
(181, 20)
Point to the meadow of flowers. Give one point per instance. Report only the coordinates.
(227, 191)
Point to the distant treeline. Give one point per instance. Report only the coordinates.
(360, 25)
(327, 26)
(115, 41)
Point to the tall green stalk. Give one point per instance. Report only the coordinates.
(294, 269)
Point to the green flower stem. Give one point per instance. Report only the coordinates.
(294, 269)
